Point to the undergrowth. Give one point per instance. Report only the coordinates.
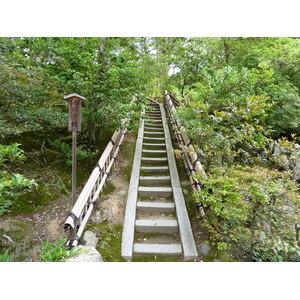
(57, 251)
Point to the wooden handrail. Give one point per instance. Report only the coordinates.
(152, 100)
(192, 164)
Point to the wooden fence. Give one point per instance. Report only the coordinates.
(190, 158)
(82, 210)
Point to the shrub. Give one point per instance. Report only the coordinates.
(57, 251)
(253, 208)
(65, 151)
(11, 153)
(12, 185)
(226, 118)
(5, 257)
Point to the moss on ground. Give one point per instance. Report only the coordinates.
(53, 175)
(157, 258)
(110, 241)
(109, 188)
(129, 155)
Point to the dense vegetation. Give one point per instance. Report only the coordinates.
(240, 104)
(35, 74)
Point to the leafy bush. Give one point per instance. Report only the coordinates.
(286, 153)
(284, 116)
(57, 252)
(18, 120)
(5, 257)
(11, 153)
(253, 208)
(225, 117)
(65, 151)
(12, 185)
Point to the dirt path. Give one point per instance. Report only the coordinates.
(22, 235)
(112, 202)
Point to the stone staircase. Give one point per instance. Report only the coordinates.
(156, 219)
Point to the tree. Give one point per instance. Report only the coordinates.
(107, 71)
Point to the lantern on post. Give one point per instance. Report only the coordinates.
(75, 102)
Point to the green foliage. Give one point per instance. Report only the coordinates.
(283, 114)
(254, 208)
(12, 185)
(110, 242)
(273, 62)
(225, 117)
(11, 153)
(244, 93)
(57, 251)
(286, 152)
(5, 257)
(37, 72)
(65, 151)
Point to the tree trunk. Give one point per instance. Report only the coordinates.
(95, 105)
(182, 88)
(227, 51)
(91, 133)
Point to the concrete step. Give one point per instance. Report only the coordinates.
(151, 108)
(154, 179)
(154, 151)
(158, 125)
(155, 207)
(166, 249)
(157, 226)
(153, 121)
(152, 117)
(153, 114)
(154, 146)
(153, 128)
(154, 139)
(155, 111)
(155, 169)
(155, 160)
(153, 104)
(153, 133)
(154, 191)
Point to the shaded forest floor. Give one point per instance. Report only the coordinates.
(39, 215)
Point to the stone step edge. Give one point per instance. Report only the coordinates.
(154, 158)
(155, 191)
(157, 226)
(159, 207)
(154, 151)
(153, 145)
(166, 249)
(155, 169)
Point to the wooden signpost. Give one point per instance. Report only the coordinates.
(75, 102)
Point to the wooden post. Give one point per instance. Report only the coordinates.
(74, 126)
(75, 101)
(74, 135)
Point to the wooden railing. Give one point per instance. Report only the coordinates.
(190, 158)
(82, 210)
(152, 100)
